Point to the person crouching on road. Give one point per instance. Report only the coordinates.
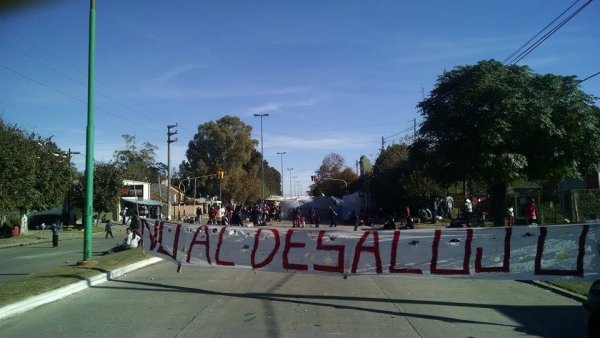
(130, 242)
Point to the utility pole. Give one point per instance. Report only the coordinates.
(295, 188)
(415, 129)
(169, 141)
(382, 143)
(281, 154)
(89, 143)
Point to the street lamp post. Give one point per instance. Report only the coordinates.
(262, 153)
(295, 189)
(281, 154)
(290, 170)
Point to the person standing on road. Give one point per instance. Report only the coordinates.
(55, 231)
(212, 215)
(316, 217)
(531, 211)
(199, 215)
(511, 216)
(449, 205)
(236, 217)
(135, 221)
(469, 211)
(108, 230)
(435, 211)
(332, 215)
(408, 219)
(124, 215)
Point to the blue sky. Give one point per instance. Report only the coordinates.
(335, 76)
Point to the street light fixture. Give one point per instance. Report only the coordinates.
(262, 153)
(290, 170)
(281, 154)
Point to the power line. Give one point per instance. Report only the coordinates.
(589, 77)
(548, 35)
(77, 70)
(73, 97)
(400, 132)
(42, 84)
(540, 32)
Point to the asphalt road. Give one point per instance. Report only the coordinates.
(212, 302)
(20, 261)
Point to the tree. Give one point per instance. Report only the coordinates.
(34, 172)
(226, 145)
(334, 177)
(138, 163)
(108, 181)
(107, 187)
(365, 165)
(398, 181)
(497, 123)
(386, 180)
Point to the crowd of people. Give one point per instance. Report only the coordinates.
(258, 214)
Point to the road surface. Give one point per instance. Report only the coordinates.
(213, 302)
(21, 261)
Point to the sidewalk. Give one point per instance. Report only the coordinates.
(57, 294)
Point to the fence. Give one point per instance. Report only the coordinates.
(584, 204)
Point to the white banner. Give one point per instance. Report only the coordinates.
(517, 253)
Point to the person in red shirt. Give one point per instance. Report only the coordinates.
(212, 215)
(15, 231)
(531, 212)
(316, 217)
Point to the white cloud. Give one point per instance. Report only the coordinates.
(173, 73)
(314, 142)
(162, 86)
(276, 106)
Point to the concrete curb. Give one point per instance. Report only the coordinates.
(560, 291)
(51, 296)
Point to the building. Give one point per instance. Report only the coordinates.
(135, 196)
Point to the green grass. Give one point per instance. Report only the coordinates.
(581, 288)
(15, 290)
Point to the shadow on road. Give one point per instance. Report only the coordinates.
(565, 321)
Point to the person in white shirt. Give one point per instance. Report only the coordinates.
(220, 214)
(130, 242)
(469, 212)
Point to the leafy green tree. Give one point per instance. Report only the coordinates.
(34, 172)
(332, 174)
(227, 145)
(107, 187)
(365, 165)
(108, 181)
(497, 123)
(398, 181)
(386, 181)
(138, 163)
